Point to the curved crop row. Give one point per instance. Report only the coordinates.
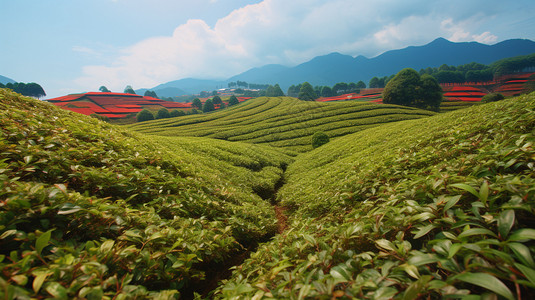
(282, 122)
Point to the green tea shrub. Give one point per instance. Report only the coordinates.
(144, 115)
(163, 113)
(319, 138)
(492, 97)
(176, 113)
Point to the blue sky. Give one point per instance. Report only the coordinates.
(72, 46)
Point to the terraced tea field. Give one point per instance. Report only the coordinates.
(282, 122)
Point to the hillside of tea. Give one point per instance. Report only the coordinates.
(282, 122)
(434, 207)
(440, 207)
(89, 210)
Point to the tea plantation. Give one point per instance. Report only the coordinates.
(282, 122)
(433, 206)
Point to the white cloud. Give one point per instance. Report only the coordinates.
(281, 31)
(485, 38)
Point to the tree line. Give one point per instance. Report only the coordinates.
(197, 107)
(31, 89)
(339, 88)
(245, 85)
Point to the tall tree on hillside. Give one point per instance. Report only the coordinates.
(277, 90)
(217, 100)
(34, 90)
(409, 89)
(326, 92)
(340, 88)
(104, 89)
(196, 103)
(129, 90)
(307, 92)
(361, 85)
(150, 94)
(233, 100)
(374, 83)
(208, 106)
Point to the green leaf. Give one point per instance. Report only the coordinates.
(528, 272)
(506, 221)
(385, 244)
(20, 279)
(484, 192)
(57, 290)
(454, 249)
(488, 282)
(416, 287)
(38, 281)
(466, 187)
(107, 246)
(69, 208)
(341, 273)
(420, 259)
(8, 233)
(523, 234)
(523, 253)
(453, 200)
(475, 231)
(42, 241)
(424, 230)
(411, 270)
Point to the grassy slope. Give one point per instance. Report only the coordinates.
(89, 209)
(282, 122)
(435, 207)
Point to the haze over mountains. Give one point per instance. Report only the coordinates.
(335, 67)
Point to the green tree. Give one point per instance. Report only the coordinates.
(233, 100)
(340, 88)
(216, 100)
(208, 106)
(150, 94)
(277, 90)
(104, 89)
(307, 92)
(326, 92)
(409, 89)
(129, 90)
(319, 138)
(361, 85)
(196, 103)
(176, 113)
(163, 113)
(144, 115)
(430, 94)
(374, 83)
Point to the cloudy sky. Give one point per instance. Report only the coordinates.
(78, 45)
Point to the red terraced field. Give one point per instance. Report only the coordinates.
(113, 105)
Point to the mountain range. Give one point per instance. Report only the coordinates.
(335, 67)
(4, 80)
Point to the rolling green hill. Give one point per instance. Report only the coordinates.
(282, 122)
(88, 209)
(430, 207)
